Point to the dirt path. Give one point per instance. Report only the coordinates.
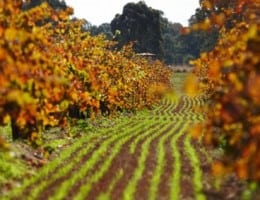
(152, 157)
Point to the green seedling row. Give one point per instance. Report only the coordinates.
(197, 173)
(84, 190)
(159, 107)
(172, 105)
(136, 140)
(106, 195)
(60, 193)
(160, 163)
(131, 187)
(48, 169)
(62, 171)
(166, 106)
(176, 176)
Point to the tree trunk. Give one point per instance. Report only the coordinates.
(15, 130)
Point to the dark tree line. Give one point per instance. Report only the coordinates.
(104, 28)
(141, 24)
(151, 32)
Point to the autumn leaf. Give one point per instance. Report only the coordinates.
(218, 169)
(191, 85)
(196, 131)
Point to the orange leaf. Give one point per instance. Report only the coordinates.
(191, 85)
(196, 131)
(218, 169)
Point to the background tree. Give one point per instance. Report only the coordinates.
(141, 24)
(170, 33)
(200, 40)
(180, 48)
(104, 28)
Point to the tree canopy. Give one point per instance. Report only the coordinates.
(140, 24)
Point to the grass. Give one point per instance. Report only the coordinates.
(12, 170)
(6, 132)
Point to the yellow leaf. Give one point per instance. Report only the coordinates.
(64, 105)
(21, 121)
(191, 85)
(3, 54)
(214, 69)
(6, 119)
(10, 34)
(21, 98)
(196, 131)
(218, 169)
(207, 4)
(74, 96)
(241, 169)
(220, 19)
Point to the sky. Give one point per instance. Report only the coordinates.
(97, 12)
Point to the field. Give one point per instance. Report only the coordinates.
(85, 117)
(150, 155)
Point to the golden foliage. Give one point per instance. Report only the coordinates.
(49, 66)
(230, 77)
(191, 85)
(196, 131)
